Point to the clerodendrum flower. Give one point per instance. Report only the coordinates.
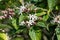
(22, 23)
(32, 17)
(31, 21)
(22, 9)
(57, 19)
(8, 13)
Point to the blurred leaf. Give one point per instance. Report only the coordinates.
(14, 23)
(3, 36)
(22, 2)
(0, 0)
(2, 6)
(36, 0)
(35, 35)
(41, 24)
(18, 31)
(51, 4)
(40, 14)
(21, 18)
(58, 33)
(58, 37)
(4, 26)
(18, 38)
(17, 11)
(38, 34)
(45, 17)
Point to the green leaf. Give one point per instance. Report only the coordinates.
(45, 18)
(19, 31)
(40, 14)
(58, 33)
(41, 24)
(36, 0)
(22, 2)
(3, 36)
(38, 34)
(58, 37)
(51, 4)
(0, 0)
(2, 7)
(4, 26)
(17, 11)
(18, 38)
(35, 35)
(14, 23)
(21, 18)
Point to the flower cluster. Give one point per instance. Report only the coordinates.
(31, 21)
(7, 13)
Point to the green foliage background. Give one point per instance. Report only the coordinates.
(43, 30)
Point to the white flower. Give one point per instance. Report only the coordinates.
(22, 23)
(57, 19)
(30, 22)
(22, 8)
(32, 17)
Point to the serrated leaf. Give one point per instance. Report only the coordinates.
(51, 4)
(34, 35)
(3, 36)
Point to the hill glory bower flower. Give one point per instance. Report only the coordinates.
(8, 13)
(22, 9)
(30, 22)
(22, 23)
(57, 19)
(32, 19)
